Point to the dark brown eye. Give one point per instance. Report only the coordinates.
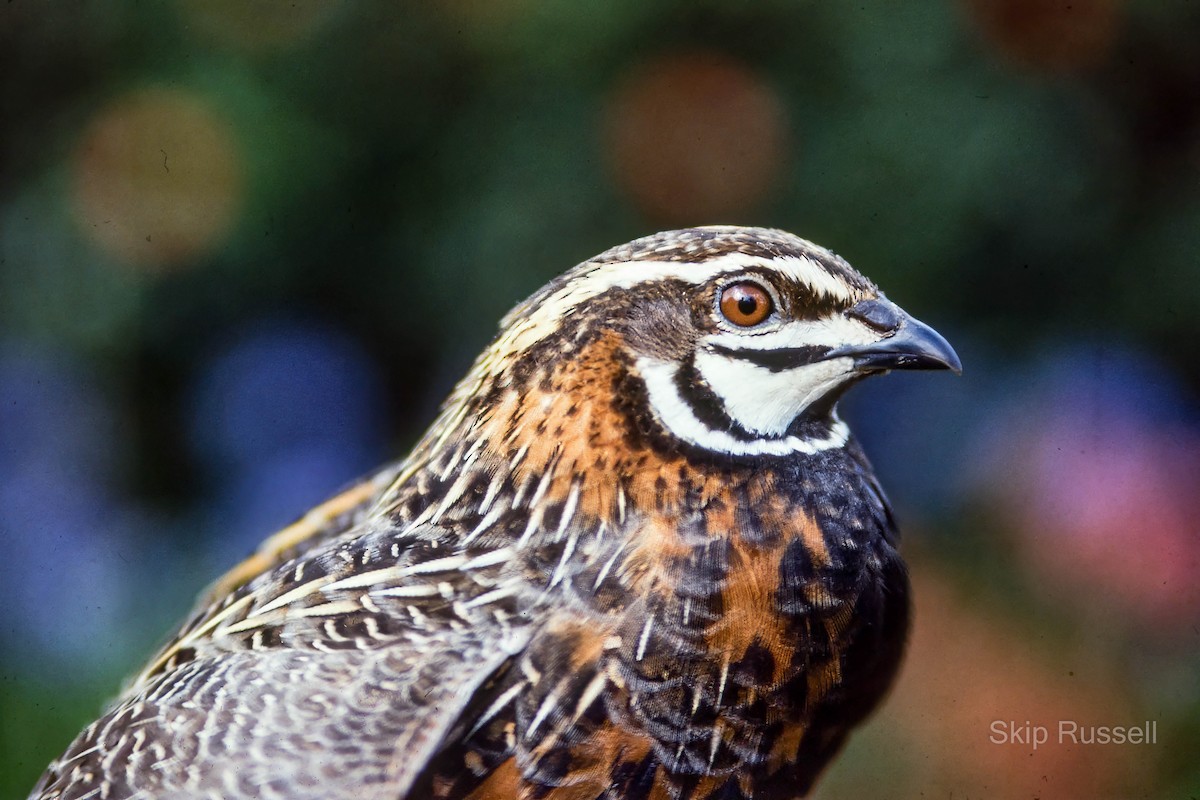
(745, 304)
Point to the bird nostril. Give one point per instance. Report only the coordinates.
(879, 314)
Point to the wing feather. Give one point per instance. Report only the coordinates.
(321, 687)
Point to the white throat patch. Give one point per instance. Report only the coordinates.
(675, 414)
(766, 401)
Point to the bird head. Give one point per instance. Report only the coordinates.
(740, 340)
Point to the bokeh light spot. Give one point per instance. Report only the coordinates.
(956, 644)
(281, 384)
(158, 178)
(1094, 473)
(1049, 35)
(695, 138)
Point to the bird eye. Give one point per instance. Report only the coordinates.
(745, 304)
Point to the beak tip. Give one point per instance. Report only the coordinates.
(929, 349)
(953, 363)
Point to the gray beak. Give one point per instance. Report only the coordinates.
(907, 343)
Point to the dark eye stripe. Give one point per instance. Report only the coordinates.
(779, 359)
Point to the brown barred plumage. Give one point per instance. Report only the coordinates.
(636, 556)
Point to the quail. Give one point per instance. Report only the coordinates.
(637, 555)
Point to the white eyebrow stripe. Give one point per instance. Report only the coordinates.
(832, 331)
(808, 272)
(523, 329)
(679, 418)
(624, 274)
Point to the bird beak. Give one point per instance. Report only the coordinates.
(907, 344)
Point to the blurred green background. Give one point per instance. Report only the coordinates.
(246, 247)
